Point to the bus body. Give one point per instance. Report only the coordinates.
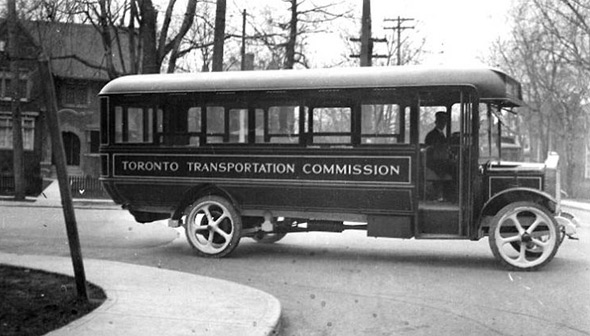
(264, 153)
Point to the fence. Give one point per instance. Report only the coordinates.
(87, 187)
(6, 184)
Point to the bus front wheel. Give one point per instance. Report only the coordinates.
(524, 236)
(213, 226)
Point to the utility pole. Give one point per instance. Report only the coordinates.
(366, 31)
(243, 51)
(48, 90)
(247, 62)
(219, 36)
(366, 40)
(18, 165)
(399, 28)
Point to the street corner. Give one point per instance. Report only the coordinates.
(125, 232)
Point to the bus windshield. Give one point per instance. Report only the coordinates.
(497, 138)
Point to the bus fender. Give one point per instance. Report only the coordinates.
(197, 192)
(505, 197)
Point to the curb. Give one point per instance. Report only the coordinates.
(576, 205)
(145, 300)
(44, 203)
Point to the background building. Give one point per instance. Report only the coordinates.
(78, 65)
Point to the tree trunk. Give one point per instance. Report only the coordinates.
(147, 35)
(105, 34)
(219, 36)
(17, 135)
(291, 42)
(133, 62)
(173, 47)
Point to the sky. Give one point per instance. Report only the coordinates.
(457, 32)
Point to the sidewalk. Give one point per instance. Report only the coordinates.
(152, 301)
(51, 198)
(575, 204)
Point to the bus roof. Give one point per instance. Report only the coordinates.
(492, 84)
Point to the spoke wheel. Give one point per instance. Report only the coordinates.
(213, 226)
(531, 250)
(524, 236)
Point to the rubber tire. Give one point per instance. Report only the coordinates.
(511, 209)
(232, 226)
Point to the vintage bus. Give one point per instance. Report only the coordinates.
(261, 154)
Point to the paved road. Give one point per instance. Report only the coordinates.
(348, 284)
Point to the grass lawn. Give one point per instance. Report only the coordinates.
(34, 302)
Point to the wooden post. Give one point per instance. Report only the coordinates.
(243, 51)
(219, 36)
(48, 90)
(14, 94)
(366, 43)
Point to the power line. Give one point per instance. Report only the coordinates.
(399, 27)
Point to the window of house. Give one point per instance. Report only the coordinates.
(28, 129)
(93, 140)
(6, 80)
(74, 95)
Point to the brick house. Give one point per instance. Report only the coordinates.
(77, 62)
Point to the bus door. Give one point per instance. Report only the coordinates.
(446, 155)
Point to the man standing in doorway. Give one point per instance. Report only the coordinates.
(437, 156)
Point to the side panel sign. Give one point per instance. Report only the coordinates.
(395, 169)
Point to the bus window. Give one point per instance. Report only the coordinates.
(134, 124)
(278, 124)
(488, 134)
(227, 125)
(194, 125)
(178, 124)
(238, 126)
(194, 119)
(331, 125)
(384, 124)
(427, 120)
(215, 124)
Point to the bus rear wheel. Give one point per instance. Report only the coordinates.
(213, 226)
(524, 236)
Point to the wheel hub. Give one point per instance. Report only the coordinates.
(526, 238)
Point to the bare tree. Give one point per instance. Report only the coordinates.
(285, 37)
(548, 51)
(219, 36)
(129, 31)
(567, 21)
